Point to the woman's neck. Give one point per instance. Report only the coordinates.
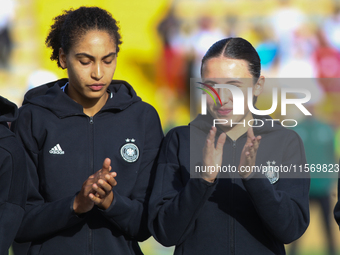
(239, 129)
(92, 108)
(90, 105)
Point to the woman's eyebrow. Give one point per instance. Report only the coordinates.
(83, 54)
(235, 81)
(227, 82)
(110, 54)
(210, 82)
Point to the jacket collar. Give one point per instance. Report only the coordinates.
(52, 97)
(8, 113)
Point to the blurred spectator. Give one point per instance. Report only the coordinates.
(285, 21)
(327, 64)
(331, 28)
(6, 17)
(267, 49)
(298, 62)
(296, 41)
(172, 66)
(327, 58)
(206, 35)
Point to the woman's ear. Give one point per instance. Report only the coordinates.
(62, 58)
(258, 88)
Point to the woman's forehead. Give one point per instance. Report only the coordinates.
(221, 67)
(95, 41)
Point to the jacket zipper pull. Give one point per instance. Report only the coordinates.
(91, 120)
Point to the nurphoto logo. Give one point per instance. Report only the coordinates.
(239, 102)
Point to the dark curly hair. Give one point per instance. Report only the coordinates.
(71, 25)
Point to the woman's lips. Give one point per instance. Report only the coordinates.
(96, 87)
(224, 111)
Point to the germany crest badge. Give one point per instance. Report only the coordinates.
(272, 174)
(130, 151)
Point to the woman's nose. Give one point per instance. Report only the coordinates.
(225, 95)
(97, 72)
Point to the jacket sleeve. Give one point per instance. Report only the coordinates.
(130, 213)
(337, 206)
(41, 218)
(13, 191)
(283, 206)
(176, 199)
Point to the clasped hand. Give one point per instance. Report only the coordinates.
(96, 190)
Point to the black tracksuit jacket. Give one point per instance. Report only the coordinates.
(64, 147)
(232, 215)
(13, 177)
(337, 206)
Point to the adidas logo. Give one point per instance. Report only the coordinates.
(57, 150)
